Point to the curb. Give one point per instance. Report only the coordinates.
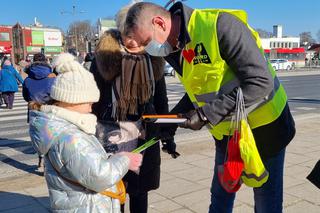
(298, 72)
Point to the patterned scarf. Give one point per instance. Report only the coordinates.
(133, 87)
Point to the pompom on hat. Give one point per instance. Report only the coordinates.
(74, 84)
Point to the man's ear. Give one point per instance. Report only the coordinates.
(159, 22)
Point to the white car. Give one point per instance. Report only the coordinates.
(281, 64)
(168, 70)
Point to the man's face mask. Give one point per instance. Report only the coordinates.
(155, 48)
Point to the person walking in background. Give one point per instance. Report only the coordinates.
(88, 60)
(77, 167)
(9, 80)
(37, 86)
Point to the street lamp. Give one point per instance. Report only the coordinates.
(74, 12)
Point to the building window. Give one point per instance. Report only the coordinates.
(4, 37)
(295, 45)
(290, 45)
(286, 45)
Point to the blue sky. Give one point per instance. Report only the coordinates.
(295, 16)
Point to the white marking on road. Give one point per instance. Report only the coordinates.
(20, 104)
(16, 124)
(15, 112)
(306, 116)
(305, 108)
(18, 131)
(25, 138)
(14, 118)
(14, 108)
(173, 102)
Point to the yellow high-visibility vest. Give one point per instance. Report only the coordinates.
(206, 76)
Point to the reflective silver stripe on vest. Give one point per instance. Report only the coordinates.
(227, 88)
(276, 86)
(253, 176)
(224, 89)
(231, 185)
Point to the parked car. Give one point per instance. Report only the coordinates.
(281, 64)
(168, 70)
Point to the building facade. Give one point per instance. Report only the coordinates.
(22, 42)
(5, 41)
(105, 24)
(283, 47)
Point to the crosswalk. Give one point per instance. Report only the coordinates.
(175, 92)
(17, 155)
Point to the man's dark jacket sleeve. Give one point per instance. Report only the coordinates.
(240, 51)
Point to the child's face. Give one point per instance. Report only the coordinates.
(83, 108)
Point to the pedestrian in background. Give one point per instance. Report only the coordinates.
(88, 60)
(77, 167)
(37, 86)
(215, 52)
(9, 81)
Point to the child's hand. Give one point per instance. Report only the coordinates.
(135, 160)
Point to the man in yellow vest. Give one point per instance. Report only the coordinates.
(214, 52)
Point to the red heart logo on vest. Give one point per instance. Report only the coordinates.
(188, 55)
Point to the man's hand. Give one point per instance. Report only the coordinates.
(195, 120)
(169, 146)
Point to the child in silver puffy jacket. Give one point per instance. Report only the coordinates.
(76, 166)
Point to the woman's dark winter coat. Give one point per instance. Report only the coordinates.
(149, 176)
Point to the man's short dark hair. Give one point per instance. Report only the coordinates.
(39, 57)
(135, 12)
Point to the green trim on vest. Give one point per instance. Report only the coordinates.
(208, 75)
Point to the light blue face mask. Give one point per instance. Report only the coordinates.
(155, 48)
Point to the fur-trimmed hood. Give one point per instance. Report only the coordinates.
(109, 53)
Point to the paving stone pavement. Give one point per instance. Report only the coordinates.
(185, 182)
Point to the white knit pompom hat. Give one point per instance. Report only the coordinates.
(74, 84)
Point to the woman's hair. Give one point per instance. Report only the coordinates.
(121, 18)
(33, 105)
(4, 60)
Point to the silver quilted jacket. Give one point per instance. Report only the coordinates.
(77, 156)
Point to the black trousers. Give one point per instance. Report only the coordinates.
(138, 202)
(8, 98)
